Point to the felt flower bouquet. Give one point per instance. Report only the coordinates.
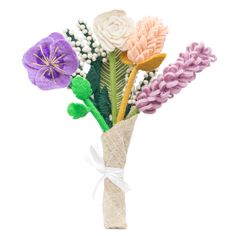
(114, 75)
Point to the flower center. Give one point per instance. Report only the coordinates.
(53, 62)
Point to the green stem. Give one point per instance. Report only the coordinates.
(134, 111)
(112, 63)
(96, 114)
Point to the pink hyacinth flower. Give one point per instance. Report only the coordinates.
(175, 77)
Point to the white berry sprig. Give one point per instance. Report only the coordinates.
(75, 42)
(87, 47)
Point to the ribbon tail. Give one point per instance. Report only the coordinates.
(96, 186)
(96, 156)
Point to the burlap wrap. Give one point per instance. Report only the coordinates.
(115, 146)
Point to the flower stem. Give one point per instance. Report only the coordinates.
(128, 89)
(134, 111)
(112, 63)
(96, 114)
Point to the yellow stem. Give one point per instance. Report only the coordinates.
(125, 98)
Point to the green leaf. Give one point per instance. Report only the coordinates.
(101, 99)
(93, 76)
(104, 105)
(81, 88)
(120, 69)
(77, 110)
(127, 109)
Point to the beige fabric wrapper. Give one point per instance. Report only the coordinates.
(115, 146)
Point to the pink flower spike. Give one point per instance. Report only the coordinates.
(175, 77)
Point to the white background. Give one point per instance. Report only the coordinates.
(181, 163)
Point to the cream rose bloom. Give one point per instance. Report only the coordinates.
(113, 29)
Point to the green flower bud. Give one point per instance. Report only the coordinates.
(77, 110)
(81, 88)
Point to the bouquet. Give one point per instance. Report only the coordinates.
(114, 75)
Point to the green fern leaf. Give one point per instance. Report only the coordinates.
(117, 88)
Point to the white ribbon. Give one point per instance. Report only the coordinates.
(115, 175)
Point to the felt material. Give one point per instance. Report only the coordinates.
(148, 65)
(115, 87)
(124, 58)
(96, 114)
(128, 108)
(51, 62)
(104, 105)
(126, 95)
(112, 63)
(152, 63)
(175, 77)
(115, 146)
(82, 90)
(93, 76)
(113, 29)
(77, 110)
(100, 95)
(147, 40)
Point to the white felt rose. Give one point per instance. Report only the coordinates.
(113, 29)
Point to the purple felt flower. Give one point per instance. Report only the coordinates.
(175, 77)
(51, 62)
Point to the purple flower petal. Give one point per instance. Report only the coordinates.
(56, 36)
(32, 57)
(32, 74)
(45, 83)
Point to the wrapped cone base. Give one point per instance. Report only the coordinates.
(115, 146)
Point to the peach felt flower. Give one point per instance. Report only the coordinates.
(147, 40)
(144, 47)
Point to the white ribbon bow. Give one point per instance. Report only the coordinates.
(115, 175)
